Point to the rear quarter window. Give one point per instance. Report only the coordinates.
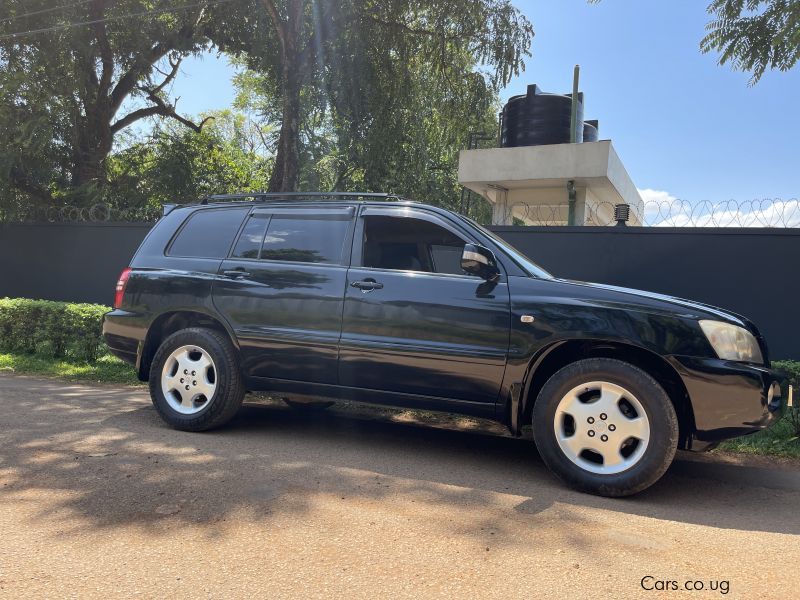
(208, 233)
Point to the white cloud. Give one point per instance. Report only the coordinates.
(662, 209)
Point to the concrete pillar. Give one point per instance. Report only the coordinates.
(501, 213)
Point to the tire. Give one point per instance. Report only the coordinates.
(190, 350)
(589, 431)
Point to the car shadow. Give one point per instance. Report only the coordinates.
(106, 457)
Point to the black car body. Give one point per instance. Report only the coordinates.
(367, 300)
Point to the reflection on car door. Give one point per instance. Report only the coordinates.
(282, 291)
(422, 333)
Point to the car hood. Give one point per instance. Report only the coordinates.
(643, 300)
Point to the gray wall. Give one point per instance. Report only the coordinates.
(78, 262)
(750, 271)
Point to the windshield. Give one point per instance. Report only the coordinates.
(522, 261)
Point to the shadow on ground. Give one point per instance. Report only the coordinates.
(106, 459)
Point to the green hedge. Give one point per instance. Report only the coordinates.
(792, 370)
(57, 329)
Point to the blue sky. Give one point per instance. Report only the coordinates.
(681, 123)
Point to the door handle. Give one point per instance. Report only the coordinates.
(367, 285)
(236, 273)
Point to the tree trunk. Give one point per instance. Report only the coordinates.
(93, 146)
(287, 160)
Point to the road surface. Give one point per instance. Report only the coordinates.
(99, 499)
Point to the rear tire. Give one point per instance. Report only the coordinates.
(605, 427)
(195, 381)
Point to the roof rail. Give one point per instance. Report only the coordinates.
(264, 196)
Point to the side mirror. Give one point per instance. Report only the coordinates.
(480, 261)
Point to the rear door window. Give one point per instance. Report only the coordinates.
(208, 233)
(310, 237)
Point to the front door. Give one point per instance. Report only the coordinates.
(282, 291)
(413, 322)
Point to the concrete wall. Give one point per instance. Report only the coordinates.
(750, 271)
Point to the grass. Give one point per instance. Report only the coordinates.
(779, 440)
(107, 369)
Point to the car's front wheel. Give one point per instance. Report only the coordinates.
(195, 383)
(605, 427)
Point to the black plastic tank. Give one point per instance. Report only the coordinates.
(539, 118)
(591, 130)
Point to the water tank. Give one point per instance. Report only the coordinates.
(591, 130)
(539, 118)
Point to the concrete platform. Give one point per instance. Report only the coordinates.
(530, 182)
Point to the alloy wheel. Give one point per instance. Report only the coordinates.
(189, 380)
(602, 427)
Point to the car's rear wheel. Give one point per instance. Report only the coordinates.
(605, 427)
(195, 383)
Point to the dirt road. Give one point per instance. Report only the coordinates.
(99, 499)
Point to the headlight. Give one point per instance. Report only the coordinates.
(731, 342)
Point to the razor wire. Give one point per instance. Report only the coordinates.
(770, 213)
(96, 213)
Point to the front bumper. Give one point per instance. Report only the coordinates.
(731, 399)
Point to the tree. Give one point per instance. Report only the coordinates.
(73, 77)
(179, 164)
(320, 56)
(410, 147)
(754, 35)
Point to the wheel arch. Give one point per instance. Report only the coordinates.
(168, 323)
(559, 354)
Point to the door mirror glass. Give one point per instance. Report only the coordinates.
(480, 261)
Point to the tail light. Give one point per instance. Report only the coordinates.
(121, 283)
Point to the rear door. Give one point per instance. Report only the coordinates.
(414, 323)
(282, 291)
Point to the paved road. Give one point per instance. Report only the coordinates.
(99, 499)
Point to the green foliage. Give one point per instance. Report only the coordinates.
(363, 83)
(358, 94)
(783, 438)
(410, 149)
(106, 369)
(54, 329)
(792, 370)
(176, 164)
(67, 92)
(754, 35)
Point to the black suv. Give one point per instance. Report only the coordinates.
(409, 305)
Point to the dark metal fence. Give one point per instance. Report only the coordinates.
(748, 270)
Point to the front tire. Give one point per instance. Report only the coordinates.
(195, 382)
(605, 427)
